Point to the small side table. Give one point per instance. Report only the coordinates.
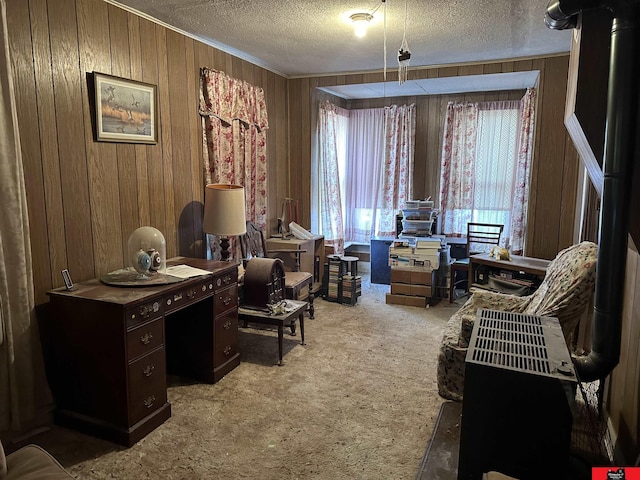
(351, 264)
(256, 315)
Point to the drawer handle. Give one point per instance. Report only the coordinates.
(177, 296)
(227, 279)
(150, 401)
(146, 338)
(148, 370)
(227, 325)
(226, 300)
(227, 350)
(191, 294)
(146, 310)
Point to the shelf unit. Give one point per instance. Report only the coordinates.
(344, 285)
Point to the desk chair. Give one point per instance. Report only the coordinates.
(298, 285)
(481, 237)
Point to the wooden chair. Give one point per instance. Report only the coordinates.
(481, 237)
(298, 285)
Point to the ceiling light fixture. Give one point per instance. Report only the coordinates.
(361, 21)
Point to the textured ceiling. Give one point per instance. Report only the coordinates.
(309, 37)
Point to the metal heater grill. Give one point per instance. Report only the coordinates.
(511, 340)
(518, 388)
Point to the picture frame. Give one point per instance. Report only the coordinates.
(126, 110)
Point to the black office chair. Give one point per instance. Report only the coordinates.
(481, 237)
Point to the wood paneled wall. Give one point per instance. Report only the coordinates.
(84, 197)
(555, 165)
(623, 399)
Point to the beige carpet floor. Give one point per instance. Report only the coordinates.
(359, 401)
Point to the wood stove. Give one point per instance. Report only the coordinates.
(518, 398)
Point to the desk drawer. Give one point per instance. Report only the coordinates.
(147, 385)
(223, 281)
(225, 337)
(187, 296)
(226, 299)
(145, 312)
(144, 338)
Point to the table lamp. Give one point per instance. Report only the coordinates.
(224, 214)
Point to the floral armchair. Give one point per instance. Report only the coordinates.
(564, 293)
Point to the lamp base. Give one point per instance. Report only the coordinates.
(225, 253)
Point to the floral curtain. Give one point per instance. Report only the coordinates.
(397, 175)
(457, 171)
(234, 124)
(523, 171)
(329, 118)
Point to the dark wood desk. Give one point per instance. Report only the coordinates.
(249, 314)
(108, 348)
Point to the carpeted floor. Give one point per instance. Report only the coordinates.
(359, 401)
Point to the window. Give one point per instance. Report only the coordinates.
(360, 192)
(486, 158)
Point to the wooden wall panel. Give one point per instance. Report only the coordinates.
(194, 140)
(67, 82)
(85, 197)
(38, 187)
(127, 168)
(153, 176)
(135, 53)
(622, 401)
(102, 164)
(181, 156)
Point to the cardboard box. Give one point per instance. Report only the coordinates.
(408, 300)
(412, 275)
(421, 277)
(401, 288)
(408, 289)
(399, 275)
(420, 290)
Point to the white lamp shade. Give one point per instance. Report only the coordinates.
(224, 210)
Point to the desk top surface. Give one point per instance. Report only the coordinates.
(96, 290)
(536, 266)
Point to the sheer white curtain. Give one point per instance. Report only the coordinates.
(365, 151)
(486, 163)
(495, 165)
(333, 124)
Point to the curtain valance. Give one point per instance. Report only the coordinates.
(231, 99)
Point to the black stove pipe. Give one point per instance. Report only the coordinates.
(619, 157)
